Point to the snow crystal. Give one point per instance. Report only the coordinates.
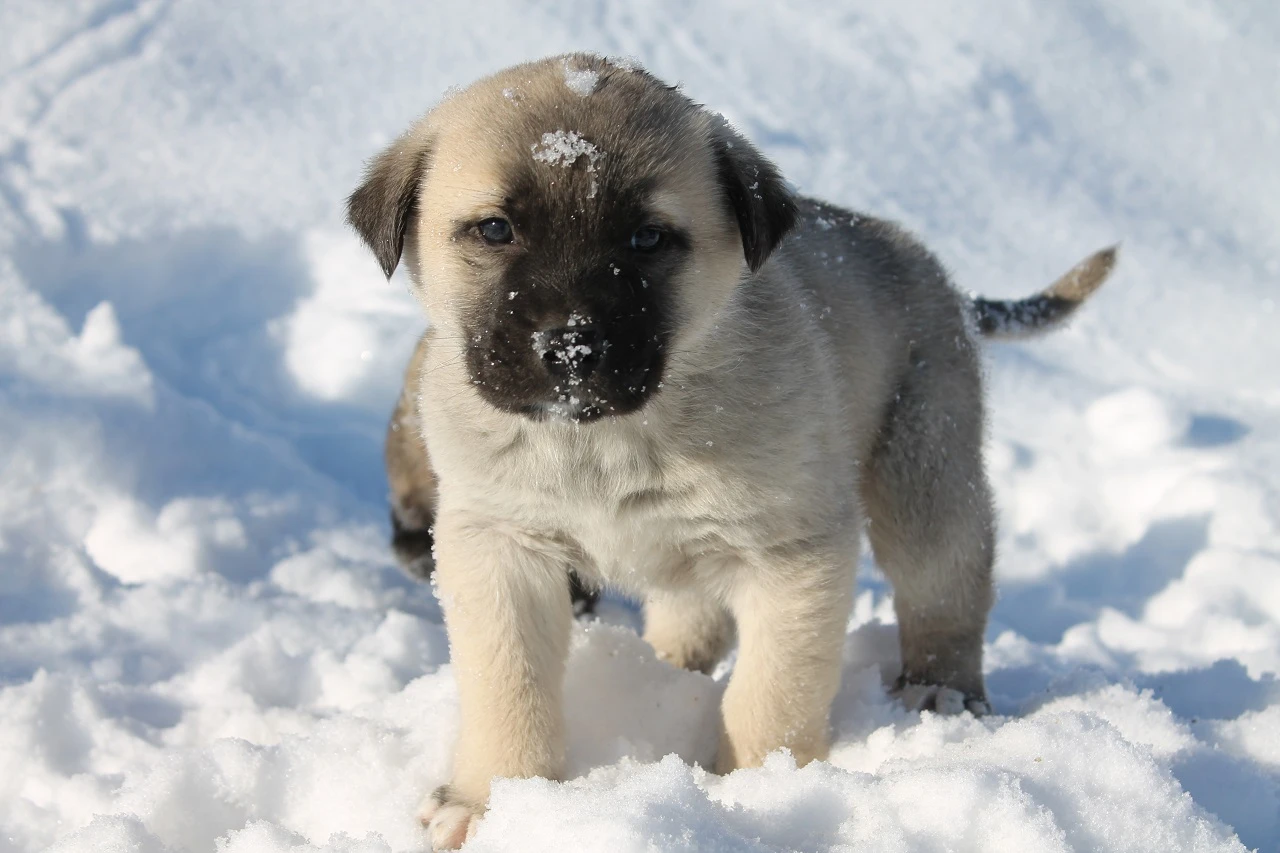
(564, 148)
(581, 81)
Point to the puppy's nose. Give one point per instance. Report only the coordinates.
(570, 351)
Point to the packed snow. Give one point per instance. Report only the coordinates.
(204, 643)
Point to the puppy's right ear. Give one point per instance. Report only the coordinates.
(385, 204)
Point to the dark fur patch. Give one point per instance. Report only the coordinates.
(1016, 318)
(559, 281)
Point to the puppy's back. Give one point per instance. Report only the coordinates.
(882, 301)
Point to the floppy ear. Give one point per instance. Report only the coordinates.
(764, 207)
(384, 205)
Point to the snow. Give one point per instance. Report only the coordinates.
(564, 148)
(581, 81)
(204, 644)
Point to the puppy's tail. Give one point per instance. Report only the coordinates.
(1017, 319)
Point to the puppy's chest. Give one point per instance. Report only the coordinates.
(638, 515)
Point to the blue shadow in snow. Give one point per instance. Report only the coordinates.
(1213, 431)
(199, 306)
(1043, 610)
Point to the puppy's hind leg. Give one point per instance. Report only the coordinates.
(414, 490)
(791, 610)
(932, 532)
(687, 629)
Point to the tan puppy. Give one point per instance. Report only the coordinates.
(631, 374)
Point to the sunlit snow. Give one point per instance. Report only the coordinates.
(204, 643)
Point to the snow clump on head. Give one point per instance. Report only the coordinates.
(563, 148)
(581, 81)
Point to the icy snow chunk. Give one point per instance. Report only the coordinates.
(581, 81)
(100, 350)
(68, 743)
(564, 148)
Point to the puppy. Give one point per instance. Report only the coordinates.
(652, 364)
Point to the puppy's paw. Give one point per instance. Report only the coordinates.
(941, 700)
(449, 819)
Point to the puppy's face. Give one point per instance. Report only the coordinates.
(570, 224)
(558, 253)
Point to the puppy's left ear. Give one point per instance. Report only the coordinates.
(386, 203)
(758, 196)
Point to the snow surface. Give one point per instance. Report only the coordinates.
(204, 644)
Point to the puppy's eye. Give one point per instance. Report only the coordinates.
(495, 231)
(646, 239)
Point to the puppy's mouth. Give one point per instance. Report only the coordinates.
(572, 408)
(583, 406)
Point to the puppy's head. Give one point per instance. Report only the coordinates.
(569, 224)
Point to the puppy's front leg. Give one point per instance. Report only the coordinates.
(508, 618)
(791, 617)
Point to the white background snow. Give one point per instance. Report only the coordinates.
(204, 644)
